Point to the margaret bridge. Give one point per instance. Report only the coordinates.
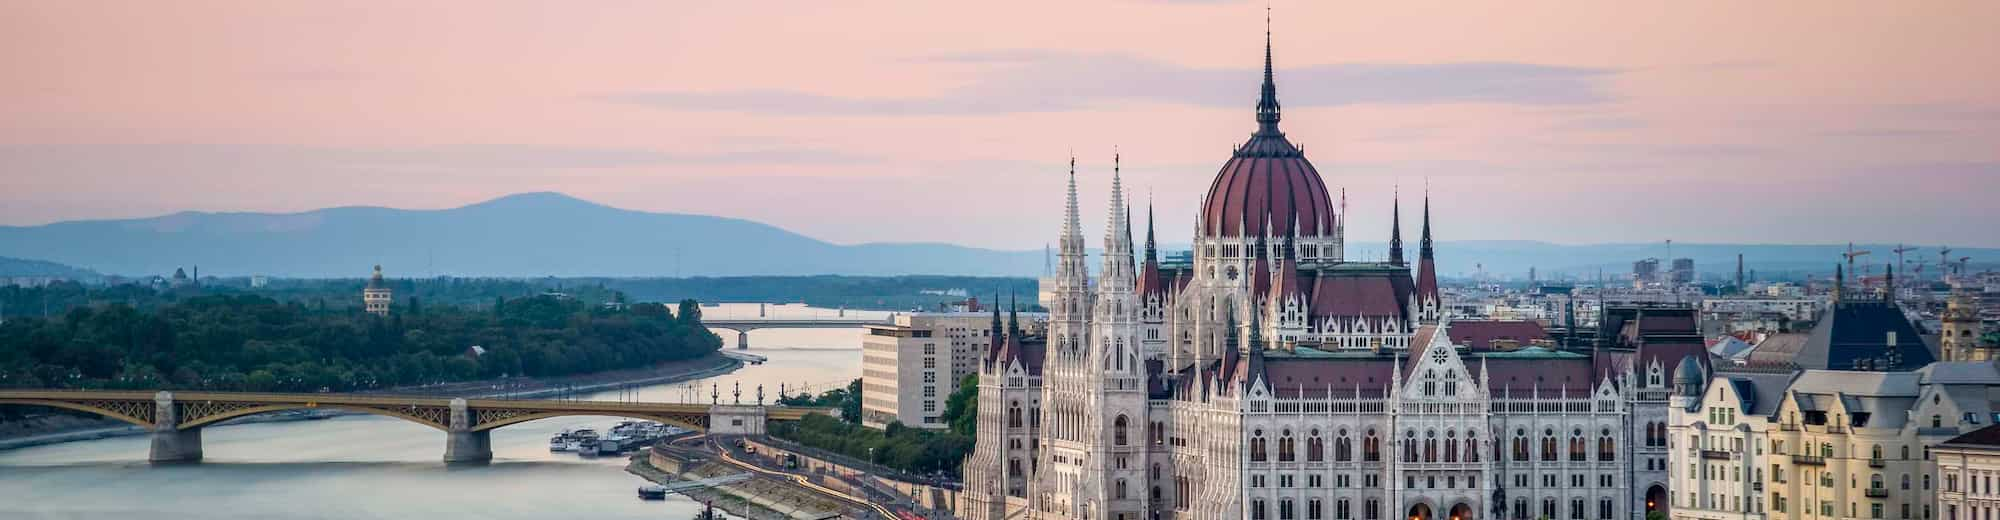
(176, 418)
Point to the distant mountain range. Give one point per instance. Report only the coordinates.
(526, 235)
(550, 234)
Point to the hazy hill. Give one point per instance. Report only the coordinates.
(10, 267)
(549, 234)
(534, 234)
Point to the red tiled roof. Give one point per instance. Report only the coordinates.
(1480, 335)
(1369, 295)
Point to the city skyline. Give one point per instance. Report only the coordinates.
(1738, 124)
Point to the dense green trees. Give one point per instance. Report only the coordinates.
(913, 450)
(252, 342)
(961, 410)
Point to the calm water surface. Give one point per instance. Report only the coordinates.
(377, 467)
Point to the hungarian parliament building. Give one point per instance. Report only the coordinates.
(1271, 378)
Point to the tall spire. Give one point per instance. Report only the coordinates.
(1152, 254)
(1267, 101)
(1424, 251)
(1395, 227)
(1117, 269)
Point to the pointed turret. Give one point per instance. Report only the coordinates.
(1267, 99)
(1150, 283)
(1260, 272)
(1116, 274)
(998, 336)
(1396, 228)
(1430, 304)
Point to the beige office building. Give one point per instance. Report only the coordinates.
(910, 368)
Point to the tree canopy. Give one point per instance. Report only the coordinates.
(257, 343)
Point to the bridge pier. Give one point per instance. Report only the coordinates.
(463, 445)
(170, 443)
(743, 340)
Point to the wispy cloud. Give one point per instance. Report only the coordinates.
(1015, 81)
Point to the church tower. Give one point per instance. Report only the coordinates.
(376, 296)
(1959, 338)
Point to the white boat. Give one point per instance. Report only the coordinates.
(578, 439)
(559, 443)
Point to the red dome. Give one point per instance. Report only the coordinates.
(1267, 180)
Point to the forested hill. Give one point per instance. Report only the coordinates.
(254, 343)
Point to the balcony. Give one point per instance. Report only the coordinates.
(1877, 463)
(1809, 460)
(1758, 486)
(1876, 492)
(1715, 455)
(1788, 427)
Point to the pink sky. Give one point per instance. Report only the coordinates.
(860, 122)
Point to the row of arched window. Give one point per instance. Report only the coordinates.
(1343, 448)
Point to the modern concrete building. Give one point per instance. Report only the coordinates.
(909, 368)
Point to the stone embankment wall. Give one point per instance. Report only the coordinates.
(925, 495)
(756, 499)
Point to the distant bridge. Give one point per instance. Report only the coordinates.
(744, 326)
(176, 419)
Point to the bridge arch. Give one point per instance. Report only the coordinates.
(435, 418)
(696, 422)
(111, 410)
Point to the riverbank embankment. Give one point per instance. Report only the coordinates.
(758, 498)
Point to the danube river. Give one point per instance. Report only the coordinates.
(363, 466)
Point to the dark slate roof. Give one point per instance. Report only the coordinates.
(1988, 437)
(1854, 331)
(1480, 335)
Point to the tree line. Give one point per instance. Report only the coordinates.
(252, 342)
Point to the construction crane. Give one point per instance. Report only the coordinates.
(1944, 261)
(1961, 264)
(1899, 250)
(1850, 254)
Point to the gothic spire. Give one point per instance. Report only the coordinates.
(1395, 227)
(1267, 101)
(1424, 246)
(1152, 254)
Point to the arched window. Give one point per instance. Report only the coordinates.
(1118, 490)
(1315, 449)
(1410, 446)
(1371, 448)
(1014, 415)
(1343, 449)
(1450, 446)
(1156, 471)
(1118, 431)
(1520, 449)
(1875, 453)
(1471, 448)
(1576, 449)
(1875, 481)
(1607, 449)
(1257, 449)
(1286, 453)
(1549, 453)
